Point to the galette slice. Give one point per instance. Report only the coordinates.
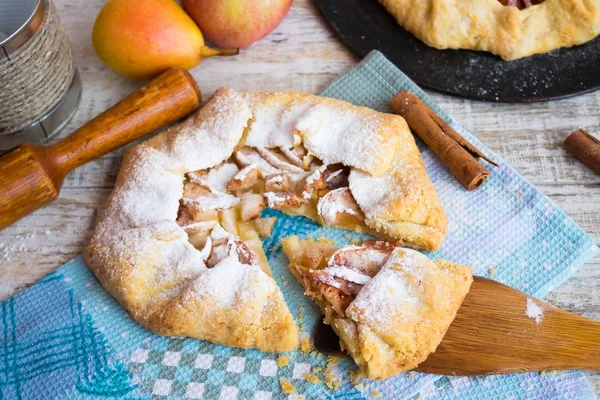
(389, 305)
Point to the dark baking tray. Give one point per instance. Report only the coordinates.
(365, 25)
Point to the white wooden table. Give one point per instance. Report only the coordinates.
(303, 54)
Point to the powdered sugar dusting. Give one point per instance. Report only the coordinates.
(403, 181)
(351, 135)
(209, 136)
(348, 274)
(274, 199)
(333, 175)
(534, 311)
(338, 201)
(294, 159)
(148, 196)
(206, 249)
(276, 162)
(250, 157)
(212, 201)
(389, 295)
(225, 281)
(245, 171)
(330, 209)
(216, 179)
(275, 116)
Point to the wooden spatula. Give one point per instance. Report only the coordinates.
(493, 335)
(31, 176)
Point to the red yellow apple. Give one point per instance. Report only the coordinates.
(236, 23)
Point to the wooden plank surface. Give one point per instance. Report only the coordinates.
(302, 54)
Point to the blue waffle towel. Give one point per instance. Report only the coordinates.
(65, 337)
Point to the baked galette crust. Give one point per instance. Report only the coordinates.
(490, 26)
(177, 244)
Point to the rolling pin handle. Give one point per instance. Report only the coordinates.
(31, 176)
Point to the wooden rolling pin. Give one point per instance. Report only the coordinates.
(31, 176)
(493, 334)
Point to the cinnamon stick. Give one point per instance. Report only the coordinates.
(585, 147)
(454, 150)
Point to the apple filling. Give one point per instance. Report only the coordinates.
(230, 198)
(520, 4)
(333, 277)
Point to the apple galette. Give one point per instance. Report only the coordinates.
(179, 242)
(511, 29)
(390, 306)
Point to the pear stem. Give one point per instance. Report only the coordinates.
(206, 52)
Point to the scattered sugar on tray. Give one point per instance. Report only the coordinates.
(534, 311)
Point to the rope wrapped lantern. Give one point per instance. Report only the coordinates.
(39, 84)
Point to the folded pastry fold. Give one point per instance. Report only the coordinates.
(178, 244)
(389, 305)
